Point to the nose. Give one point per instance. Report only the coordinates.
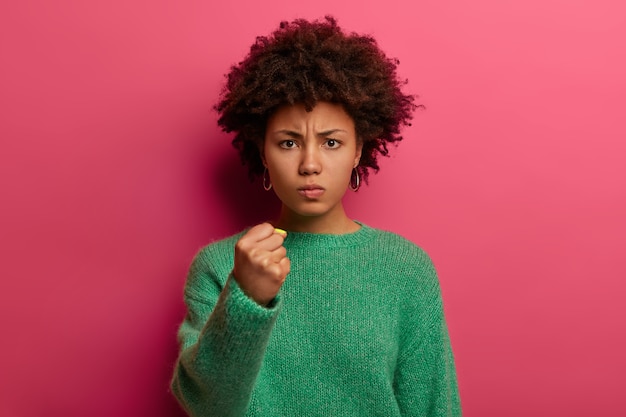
(310, 163)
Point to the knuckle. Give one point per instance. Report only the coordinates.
(253, 253)
(264, 228)
(278, 277)
(265, 263)
(241, 245)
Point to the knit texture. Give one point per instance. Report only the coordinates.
(356, 330)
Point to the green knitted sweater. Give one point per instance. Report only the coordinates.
(356, 330)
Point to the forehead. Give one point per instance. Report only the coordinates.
(323, 116)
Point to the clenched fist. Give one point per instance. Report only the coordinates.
(261, 263)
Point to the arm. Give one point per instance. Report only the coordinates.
(221, 357)
(229, 321)
(425, 378)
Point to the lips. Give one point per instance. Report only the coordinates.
(312, 191)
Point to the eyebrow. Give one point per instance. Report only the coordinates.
(295, 134)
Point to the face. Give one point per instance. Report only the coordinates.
(310, 157)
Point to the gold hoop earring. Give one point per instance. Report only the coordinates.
(355, 180)
(266, 181)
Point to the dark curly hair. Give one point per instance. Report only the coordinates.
(306, 62)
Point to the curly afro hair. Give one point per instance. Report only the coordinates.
(306, 62)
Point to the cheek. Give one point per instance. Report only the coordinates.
(281, 172)
(349, 163)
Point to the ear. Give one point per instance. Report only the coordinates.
(359, 150)
(261, 148)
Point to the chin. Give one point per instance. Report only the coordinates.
(310, 213)
(309, 210)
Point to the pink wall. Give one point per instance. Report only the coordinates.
(113, 173)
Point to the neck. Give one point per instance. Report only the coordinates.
(335, 223)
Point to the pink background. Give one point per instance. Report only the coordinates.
(113, 173)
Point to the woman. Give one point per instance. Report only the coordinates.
(314, 314)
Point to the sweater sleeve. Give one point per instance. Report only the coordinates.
(425, 378)
(223, 340)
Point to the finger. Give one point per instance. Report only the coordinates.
(271, 243)
(278, 254)
(281, 232)
(260, 232)
(285, 266)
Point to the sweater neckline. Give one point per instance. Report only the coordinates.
(327, 240)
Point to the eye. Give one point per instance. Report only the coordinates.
(332, 143)
(287, 144)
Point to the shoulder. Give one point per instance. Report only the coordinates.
(212, 264)
(399, 248)
(411, 265)
(412, 274)
(216, 251)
